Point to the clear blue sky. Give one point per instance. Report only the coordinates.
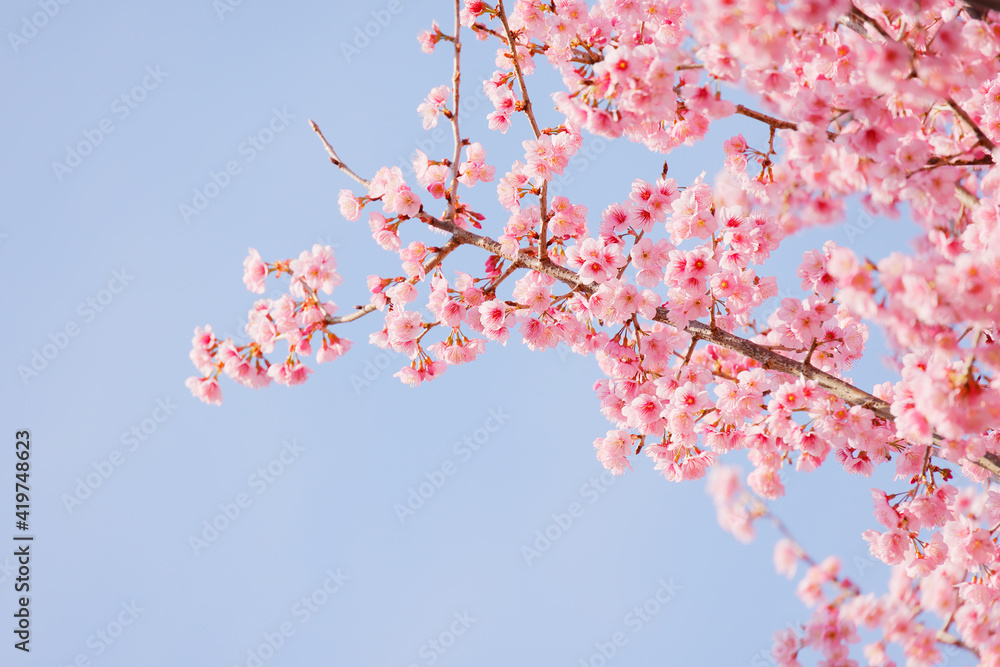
(170, 93)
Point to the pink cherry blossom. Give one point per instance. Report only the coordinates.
(350, 206)
(205, 389)
(431, 107)
(254, 272)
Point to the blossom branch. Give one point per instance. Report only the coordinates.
(767, 358)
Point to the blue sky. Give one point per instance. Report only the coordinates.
(309, 560)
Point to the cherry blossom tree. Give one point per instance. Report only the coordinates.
(894, 102)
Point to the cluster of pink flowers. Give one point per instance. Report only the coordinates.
(389, 187)
(297, 318)
(433, 106)
(596, 260)
(928, 575)
(429, 38)
(498, 90)
(475, 168)
(546, 156)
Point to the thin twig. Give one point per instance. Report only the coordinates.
(334, 158)
(543, 232)
(960, 112)
(764, 118)
(356, 315)
(512, 43)
(496, 283)
(439, 256)
(775, 123)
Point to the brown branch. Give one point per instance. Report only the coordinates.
(939, 161)
(543, 232)
(764, 118)
(856, 19)
(456, 78)
(334, 158)
(356, 315)
(492, 288)
(967, 199)
(984, 5)
(512, 43)
(526, 102)
(442, 252)
(361, 311)
(775, 123)
(960, 112)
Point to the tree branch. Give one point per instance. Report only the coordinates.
(356, 315)
(512, 43)
(984, 5)
(526, 101)
(334, 158)
(455, 80)
(960, 112)
(775, 123)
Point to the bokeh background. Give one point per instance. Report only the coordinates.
(107, 278)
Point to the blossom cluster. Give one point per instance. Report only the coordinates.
(299, 318)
